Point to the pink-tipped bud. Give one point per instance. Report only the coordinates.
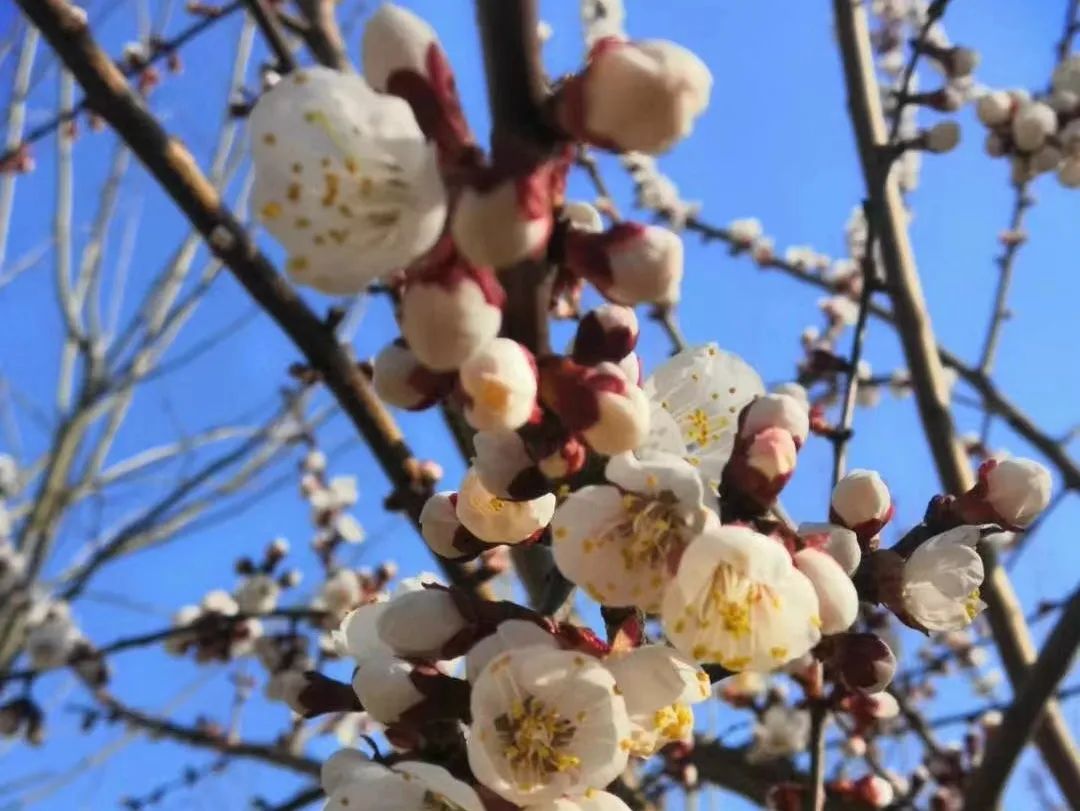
(635, 96)
(503, 221)
(772, 453)
(610, 412)
(630, 263)
(402, 56)
(877, 792)
(402, 381)
(499, 381)
(776, 411)
(609, 332)
(861, 502)
(505, 467)
(449, 310)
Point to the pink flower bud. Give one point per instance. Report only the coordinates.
(449, 310)
(402, 381)
(419, 623)
(877, 792)
(385, 688)
(635, 96)
(499, 381)
(837, 598)
(629, 263)
(501, 221)
(776, 411)
(772, 453)
(402, 56)
(861, 502)
(1018, 490)
(609, 332)
(505, 467)
(611, 413)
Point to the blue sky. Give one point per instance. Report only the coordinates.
(774, 144)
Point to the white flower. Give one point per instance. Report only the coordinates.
(1032, 124)
(342, 767)
(407, 786)
(1018, 490)
(636, 96)
(617, 541)
(499, 381)
(861, 502)
(738, 600)
(344, 179)
(590, 801)
(546, 723)
(495, 520)
(51, 635)
(696, 397)
(448, 312)
(658, 685)
(838, 541)
(941, 580)
(419, 623)
(781, 732)
(508, 635)
(402, 381)
(340, 593)
(258, 594)
(501, 225)
(219, 601)
(994, 108)
(837, 598)
(385, 688)
(12, 567)
(358, 635)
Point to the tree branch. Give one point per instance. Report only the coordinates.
(1022, 717)
(176, 171)
(931, 394)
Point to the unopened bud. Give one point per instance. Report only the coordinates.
(609, 332)
(635, 96)
(861, 502)
(776, 411)
(629, 263)
(499, 380)
(418, 624)
(1033, 123)
(942, 137)
(385, 688)
(504, 221)
(863, 661)
(401, 380)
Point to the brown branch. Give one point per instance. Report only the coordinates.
(160, 52)
(321, 33)
(1022, 717)
(175, 169)
(302, 799)
(203, 739)
(161, 635)
(270, 26)
(920, 348)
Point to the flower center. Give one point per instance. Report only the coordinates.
(535, 739)
(492, 394)
(674, 722)
(651, 529)
(731, 597)
(972, 605)
(702, 430)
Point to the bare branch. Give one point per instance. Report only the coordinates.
(921, 351)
